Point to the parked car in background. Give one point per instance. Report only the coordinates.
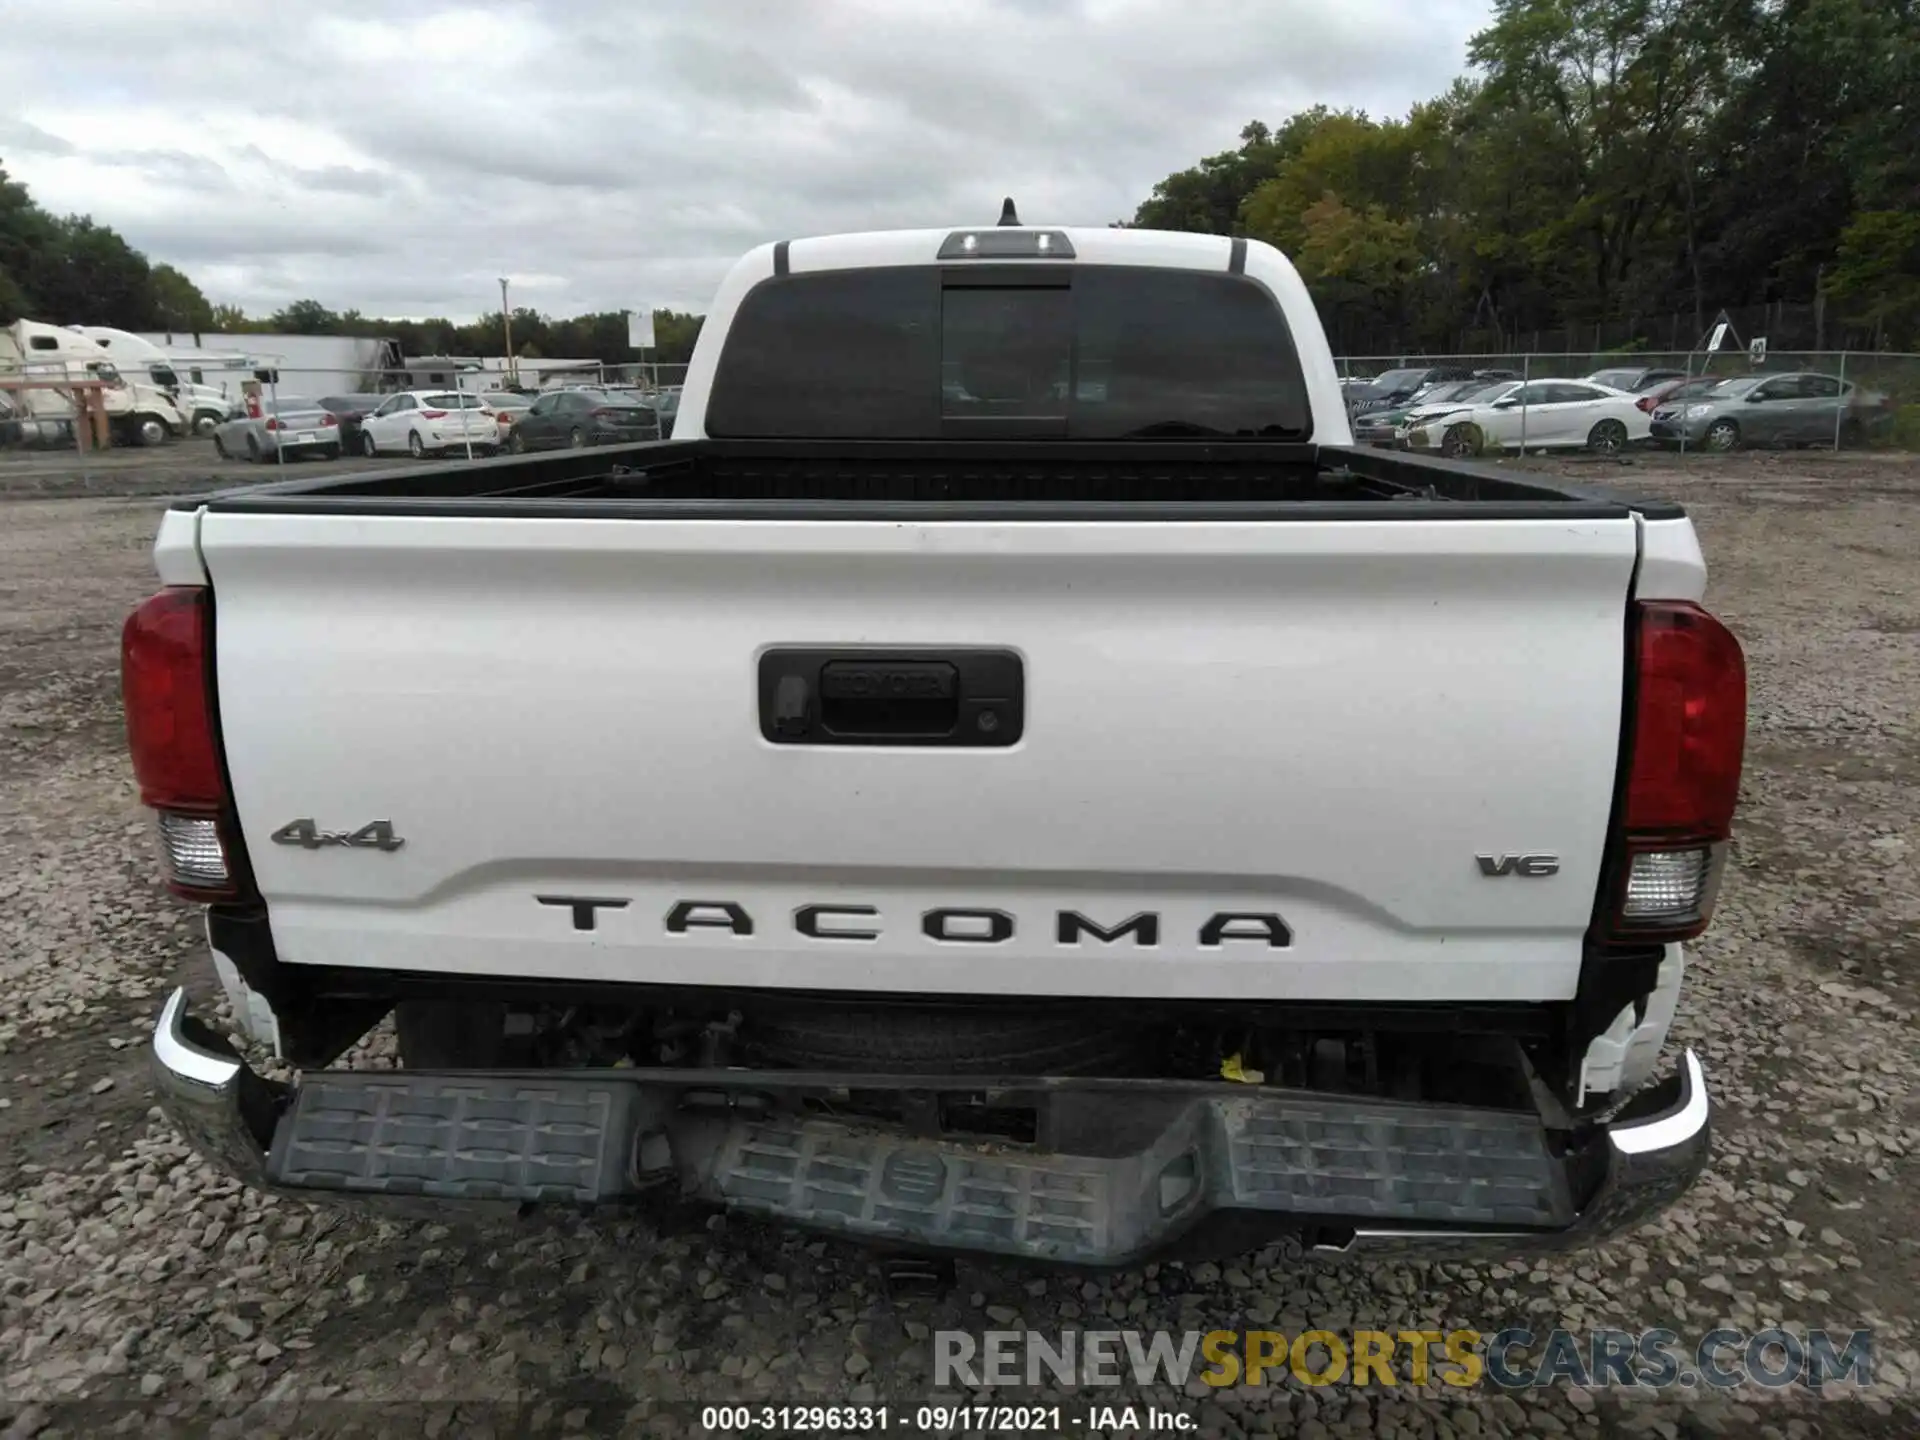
(508, 406)
(1674, 391)
(1795, 408)
(1377, 426)
(628, 396)
(289, 426)
(666, 404)
(351, 410)
(1394, 387)
(1433, 405)
(1539, 415)
(424, 421)
(1634, 378)
(562, 418)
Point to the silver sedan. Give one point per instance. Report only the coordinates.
(287, 427)
(1800, 407)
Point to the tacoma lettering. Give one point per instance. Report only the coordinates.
(812, 920)
(583, 907)
(1144, 928)
(945, 925)
(973, 927)
(708, 915)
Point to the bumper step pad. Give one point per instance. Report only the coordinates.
(1473, 1167)
(469, 1138)
(925, 1192)
(1281, 1157)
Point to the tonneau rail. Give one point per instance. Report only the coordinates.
(932, 481)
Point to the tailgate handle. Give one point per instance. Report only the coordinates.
(970, 697)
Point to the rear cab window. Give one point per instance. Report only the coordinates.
(1096, 352)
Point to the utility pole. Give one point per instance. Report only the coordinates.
(506, 327)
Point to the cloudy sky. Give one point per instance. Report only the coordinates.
(612, 154)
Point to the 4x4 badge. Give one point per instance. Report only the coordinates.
(374, 835)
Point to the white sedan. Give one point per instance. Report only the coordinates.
(419, 421)
(1465, 397)
(1537, 415)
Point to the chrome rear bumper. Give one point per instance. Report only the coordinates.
(1217, 1168)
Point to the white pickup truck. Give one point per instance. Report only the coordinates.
(1009, 775)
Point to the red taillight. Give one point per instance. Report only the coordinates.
(603, 413)
(1689, 723)
(433, 414)
(163, 685)
(166, 689)
(1688, 738)
(273, 424)
(1648, 403)
(327, 417)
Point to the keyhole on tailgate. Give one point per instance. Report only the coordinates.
(790, 705)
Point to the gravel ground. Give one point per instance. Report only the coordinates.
(186, 467)
(142, 1294)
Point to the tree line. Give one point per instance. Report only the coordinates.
(535, 336)
(1606, 161)
(69, 270)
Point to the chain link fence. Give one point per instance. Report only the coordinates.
(1812, 326)
(1872, 400)
(1834, 399)
(233, 407)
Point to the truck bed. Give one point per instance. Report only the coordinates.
(932, 480)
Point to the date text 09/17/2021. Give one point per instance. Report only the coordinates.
(942, 1419)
